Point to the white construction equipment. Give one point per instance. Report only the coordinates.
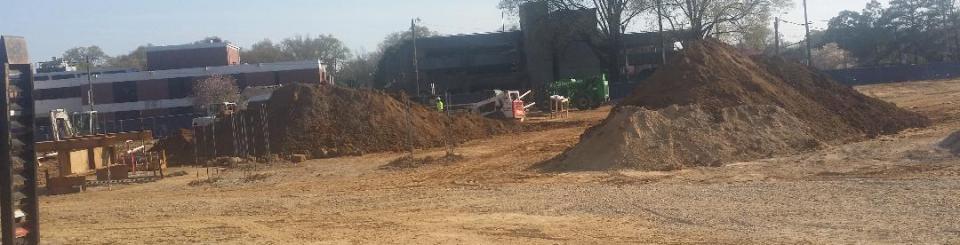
(60, 125)
(502, 104)
(63, 125)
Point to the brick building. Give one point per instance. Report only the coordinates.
(160, 98)
(192, 55)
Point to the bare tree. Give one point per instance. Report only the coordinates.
(215, 89)
(614, 17)
(831, 57)
(704, 18)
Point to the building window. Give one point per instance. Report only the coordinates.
(180, 87)
(125, 92)
(41, 78)
(68, 76)
(57, 93)
(123, 115)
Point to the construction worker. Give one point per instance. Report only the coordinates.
(439, 104)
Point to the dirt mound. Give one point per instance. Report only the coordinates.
(406, 162)
(178, 147)
(952, 143)
(713, 105)
(679, 136)
(715, 76)
(330, 121)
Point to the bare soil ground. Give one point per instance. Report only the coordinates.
(893, 189)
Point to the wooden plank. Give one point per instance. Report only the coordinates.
(92, 141)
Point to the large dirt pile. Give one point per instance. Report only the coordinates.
(715, 75)
(329, 121)
(713, 105)
(678, 136)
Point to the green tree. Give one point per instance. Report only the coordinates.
(359, 71)
(264, 51)
(85, 57)
(326, 48)
(906, 32)
(362, 68)
(397, 38)
(136, 59)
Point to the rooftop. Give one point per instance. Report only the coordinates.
(192, 46)
(176, 73)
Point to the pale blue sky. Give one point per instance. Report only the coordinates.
(118, 26)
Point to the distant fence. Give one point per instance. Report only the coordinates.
(891, 74)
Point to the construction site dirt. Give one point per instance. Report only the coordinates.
(894, 188)
(713, 105)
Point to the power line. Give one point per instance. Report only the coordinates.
(791, 22)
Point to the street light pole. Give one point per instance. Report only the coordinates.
(416, 65)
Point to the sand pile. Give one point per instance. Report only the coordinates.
(715, 76)
(330, 121)
(713, 105)
(678, 136)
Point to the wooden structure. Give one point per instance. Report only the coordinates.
(86, 153)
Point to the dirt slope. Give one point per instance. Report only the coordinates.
(328, 121)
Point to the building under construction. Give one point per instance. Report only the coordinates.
(549, 46)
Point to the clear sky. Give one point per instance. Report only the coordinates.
(118, 26)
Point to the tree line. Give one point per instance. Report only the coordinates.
(744, 22)
(905, 32)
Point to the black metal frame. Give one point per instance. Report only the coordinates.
(18, 162)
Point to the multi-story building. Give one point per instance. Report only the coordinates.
(160, 99)
(550, 45)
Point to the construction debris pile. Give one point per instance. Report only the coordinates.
(331, 121)
(713, 105)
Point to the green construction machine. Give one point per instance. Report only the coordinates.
(584, 94)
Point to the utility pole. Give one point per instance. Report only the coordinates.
(416, 65)
(776, 35)
(90, 96)
(806, 23)
(663, 41)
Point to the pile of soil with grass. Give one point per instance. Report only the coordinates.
(712, 105)
(331, 121)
